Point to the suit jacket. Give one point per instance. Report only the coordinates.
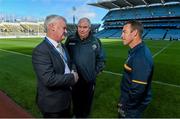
(53, 86)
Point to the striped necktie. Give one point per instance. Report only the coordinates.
(62, 52)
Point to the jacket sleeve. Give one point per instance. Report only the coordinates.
(140, 75)
(100, 58)
(46, 73)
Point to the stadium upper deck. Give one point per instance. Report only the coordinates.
(123, 4)
(161, 18)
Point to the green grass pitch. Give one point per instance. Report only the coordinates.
(18, 80)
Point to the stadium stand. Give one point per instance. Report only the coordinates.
(33, 29)
(161, 18)
(21, 29)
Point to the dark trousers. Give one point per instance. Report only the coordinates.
(62, 114)
(82, 96)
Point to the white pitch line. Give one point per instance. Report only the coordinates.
(157, 53)
(17, 53)
(108, 72)
(166, 84)
(157, 82)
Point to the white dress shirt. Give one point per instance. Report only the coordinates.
(61, 53)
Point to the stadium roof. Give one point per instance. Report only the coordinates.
(113, 4)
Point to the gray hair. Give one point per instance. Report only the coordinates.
(50, 19)
(85, 18)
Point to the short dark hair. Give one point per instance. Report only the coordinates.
(136, 25)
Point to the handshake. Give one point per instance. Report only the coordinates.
(76, 77)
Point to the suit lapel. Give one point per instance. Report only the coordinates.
(53, 50)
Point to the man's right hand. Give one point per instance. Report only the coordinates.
(76, 77)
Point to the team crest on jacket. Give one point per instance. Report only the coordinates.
(94, 46)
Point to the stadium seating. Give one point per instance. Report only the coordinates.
(173, 33)
(161, 21)
(155, 34)
(33, 29)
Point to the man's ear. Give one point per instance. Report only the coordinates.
(51, 26)
(135, 32)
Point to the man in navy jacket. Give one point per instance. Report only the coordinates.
(138, 71)
(87, 54)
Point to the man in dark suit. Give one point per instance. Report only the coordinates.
(55, 74)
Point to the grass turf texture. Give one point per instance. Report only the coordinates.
(17, 77)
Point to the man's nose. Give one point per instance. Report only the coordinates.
(65, 31)
(81, 30)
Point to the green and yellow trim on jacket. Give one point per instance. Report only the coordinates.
(128, 68)
(139, 82)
